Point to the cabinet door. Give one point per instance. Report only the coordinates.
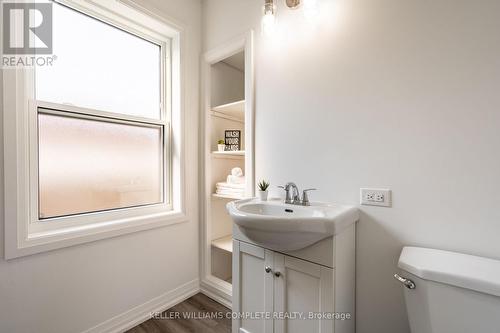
(302, 287)
(252, 288)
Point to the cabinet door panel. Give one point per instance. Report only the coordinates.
(302, 288)
(252, 287)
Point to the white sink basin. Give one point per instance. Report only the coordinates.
(284, 227)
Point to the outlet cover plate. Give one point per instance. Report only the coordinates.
(376, 197)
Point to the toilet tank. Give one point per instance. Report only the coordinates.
(454, 292)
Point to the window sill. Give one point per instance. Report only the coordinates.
(60, 238)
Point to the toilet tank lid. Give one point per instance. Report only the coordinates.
(457, 269)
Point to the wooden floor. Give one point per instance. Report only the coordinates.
(207, 311)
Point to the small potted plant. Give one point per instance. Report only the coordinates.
(221, 145)
(263, 186)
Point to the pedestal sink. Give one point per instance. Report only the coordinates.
(285, 227)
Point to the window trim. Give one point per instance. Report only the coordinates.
(25, 236)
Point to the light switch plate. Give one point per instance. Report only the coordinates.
(376, 197)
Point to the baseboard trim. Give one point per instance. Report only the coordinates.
(216, 294)
(141, 313)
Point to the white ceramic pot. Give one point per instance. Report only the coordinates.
(263, 195)
(221, 147)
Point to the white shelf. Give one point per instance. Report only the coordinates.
(224, 243)
(235, 110)
(238, 106)
(230, 197)
(229, 153)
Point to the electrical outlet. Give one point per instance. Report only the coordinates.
(375, 197)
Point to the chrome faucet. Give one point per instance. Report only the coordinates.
(288, 198)
(294, 198)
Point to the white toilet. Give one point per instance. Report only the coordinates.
(449, 292)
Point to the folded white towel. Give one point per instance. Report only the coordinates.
(236, 172)
(240, 193)
(235, 179)
(230, 186)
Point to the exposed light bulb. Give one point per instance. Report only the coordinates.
(268, 19)
(310, 8)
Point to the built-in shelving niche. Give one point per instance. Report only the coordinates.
(227, 112)
(228, 91)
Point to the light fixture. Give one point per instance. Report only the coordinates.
(292, 4)
(268, 19)
(311, 10)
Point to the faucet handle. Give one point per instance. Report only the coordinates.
(305, 197)
(287, 193)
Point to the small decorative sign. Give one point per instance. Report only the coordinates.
(233, 140)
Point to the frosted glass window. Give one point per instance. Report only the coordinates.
(88, 165)
(99, 66)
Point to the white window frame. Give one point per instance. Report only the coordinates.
(24, 233)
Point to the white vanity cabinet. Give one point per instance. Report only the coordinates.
(302, 287)
(274, 286)
(269, 283)
(253, 288)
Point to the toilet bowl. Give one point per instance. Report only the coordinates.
(447, 292)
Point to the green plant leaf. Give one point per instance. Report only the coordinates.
(263, 185)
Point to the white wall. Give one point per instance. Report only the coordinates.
(227, 84)
(76, 288)
(393, 93)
